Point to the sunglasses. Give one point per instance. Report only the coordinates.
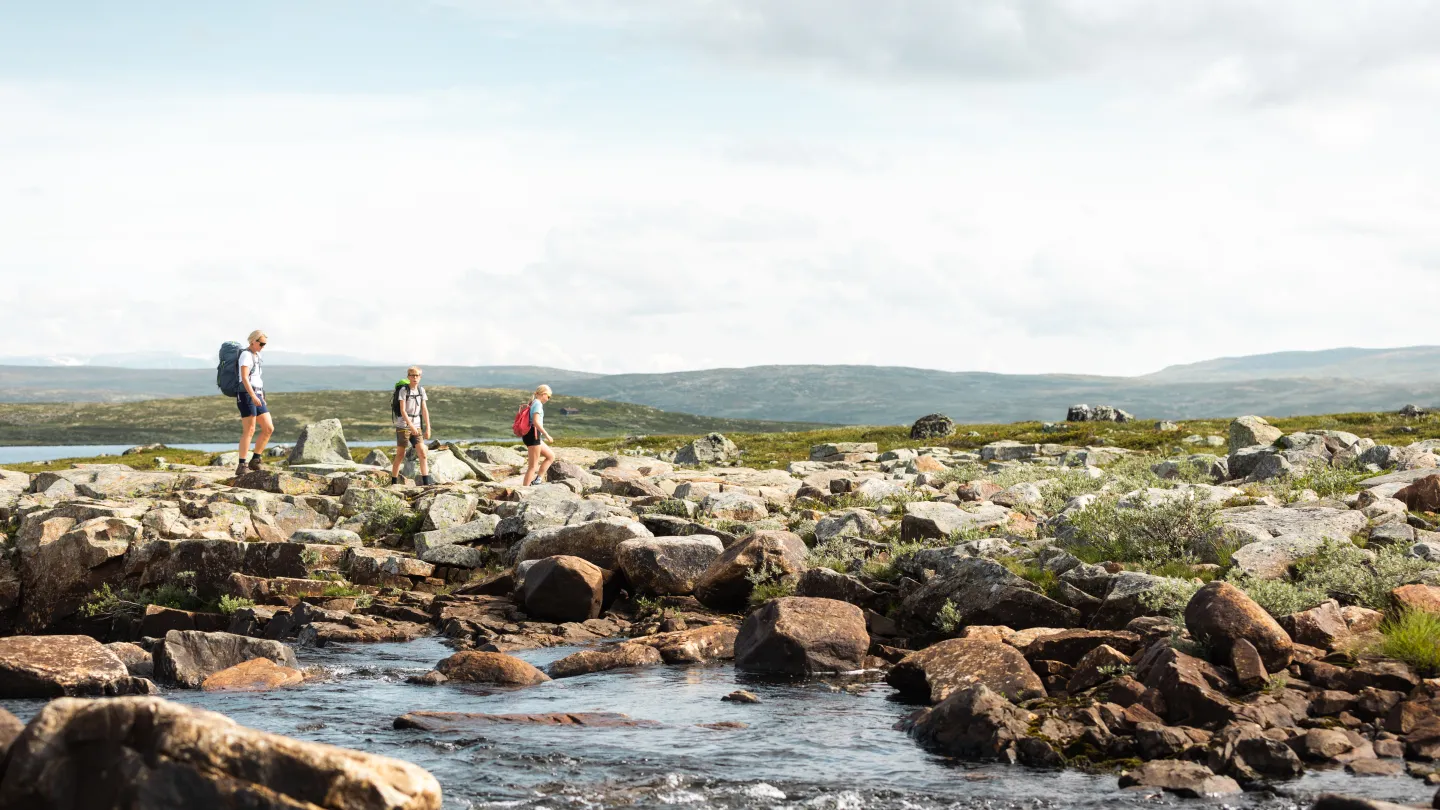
(260, 343)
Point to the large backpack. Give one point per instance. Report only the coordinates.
(227, 371)
(522, 420)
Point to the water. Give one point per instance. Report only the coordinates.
(30, 453)
(816, 745)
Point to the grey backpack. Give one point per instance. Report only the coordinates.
(227, 372)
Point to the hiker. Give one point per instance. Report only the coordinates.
(410, 410)
(251, 402)
(534, 444)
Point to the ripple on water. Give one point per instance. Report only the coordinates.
(807, 745)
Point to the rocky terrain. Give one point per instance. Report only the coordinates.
(1205, 624)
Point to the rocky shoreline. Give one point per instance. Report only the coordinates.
(1044, 605)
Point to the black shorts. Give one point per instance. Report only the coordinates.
(532, 439)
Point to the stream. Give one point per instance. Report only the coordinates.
(814, 744)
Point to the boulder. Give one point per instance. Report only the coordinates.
(619, 656)
(1189, 779)
(982, 591)
(563, 589)
(321, 442)
(798, 635)
(734, 505)
(1097, 413)
(1091, 670)
(1248, 431)
(973, 723)
(135, 658)
(709, 449)
(1220, 614)
(471, 666)
(726, 586)
(827, 584)
(161, 754)
(255, 675)
(444, 467)
(481, 528)
(376, 458)
(185, 658)
(326, 537)
(63, 559)
(1271, 559)
(932, 426)
(596, 540)
(497, 455)
(1417, 597)
(56, 666)
(449, 509)
(699, 645)
(1070, 646)
(1323, 626)
(1188, 689)
(847, 522)
(937, 520)
(667, 566)
(931, 674)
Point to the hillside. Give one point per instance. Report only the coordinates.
(459, 413)
(1413, 364)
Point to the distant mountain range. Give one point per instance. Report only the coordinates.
(1278, 384)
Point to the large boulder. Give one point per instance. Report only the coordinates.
(958, 663)
(1272, 558)
(563, 589)
(982, 591)
(937, 520)
(973, 723)
(444, 467)
(497, 455)
(847, 522)
(1423, 495)
(321, 442)
(1125, 600)
(699, 645)
(144, 752)
(726, 584)
(185, 658)
(798, 635)
(63, 559)
(619, 656)
(668, 566)
(710, 449)
(55, 666)
(596, 540)
(734, 505)
(472, 666)
(1189, 779)
(1220, 614)
(1248, 431)
(932, 426)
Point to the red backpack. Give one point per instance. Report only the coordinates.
(522, 421)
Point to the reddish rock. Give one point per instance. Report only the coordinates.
(1249, 669)
(255, 675)
(1361, 619)
(1220, 614)
(980, 490)
(1188, 689)
(799, 635)
(563, 589)
(1417, 597)
(1422, 495)
(974, 723)
(725, 585)
(1088, 671)
(933, 673)
(55, 666)
(472, 666)
(620, 656)
(1072, 645)
(698, 645)
(1323, 626)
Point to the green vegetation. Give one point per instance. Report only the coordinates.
(670, 506)
(1339, 569)
(1177, 529)
(229, 604)
(769, 582)
(948, 618)
(1413, 636)
(180, 595)
(1170, 597)
(1323, 480)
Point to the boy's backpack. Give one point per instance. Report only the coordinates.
(227, 371)
(522, 420)
(396, 399)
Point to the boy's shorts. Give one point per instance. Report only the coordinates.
(248, 408)
(403, 436)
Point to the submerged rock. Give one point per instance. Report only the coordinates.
(620, 656)
(462, 721)
(472, 666)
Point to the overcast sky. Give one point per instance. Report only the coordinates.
(1087, 186)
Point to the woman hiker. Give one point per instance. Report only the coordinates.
(534, 444)
(411, 411)
(251, 402)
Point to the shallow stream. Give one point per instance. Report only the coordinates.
(807, 745)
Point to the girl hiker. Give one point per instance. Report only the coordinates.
(410, 410)
(534, 444)
(251, 402)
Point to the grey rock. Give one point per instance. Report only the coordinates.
(710, 449)
(851, 522)
(376, 458)
(321, 443)
(596, 541)
(984, 592)
(668, 566)
(494, 454)
(481, 528)
(1124, 601)
(455, 556)
(444, 467)
(449, 509)
(185, 658)
(932, 426)
(1248, 431)
(326, 537)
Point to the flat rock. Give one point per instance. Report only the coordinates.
(933, 673)
(1189, 779)
(255, 675)
(620, 656)
(471, 666)
(697, 645)
(55, 666)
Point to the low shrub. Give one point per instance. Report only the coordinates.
(948, 618)
(1280, 597)
(229, 604)
(1185, 529)
(839, 553)
(671, 506)
(1324, 480)
(1170, 597)
(769, 582)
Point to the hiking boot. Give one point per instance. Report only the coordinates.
(426, 481)
(255, 463)
(394, 480)
(241, 469)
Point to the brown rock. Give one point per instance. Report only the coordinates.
(1221, 613)
(1376, 767)
(162, 754)
(980, 490)
(185, 658)
(10, 728)
(1330, 702)
(724, 586)
(1072, 645)
(1088, 672)
(1361, 619)
(1190, 779)
(698, 645)
(1417, 597)
(1125, 691)
(1323, 626)
(931, 674)
(1333, 745)
(55, 666)
(620, 656)
(255, 675)
(1422, 495)
(135, 658)
(1188, 688)
(1249, 669)
(471, 666)
(798, 635)
(974, 723)
(563, 589)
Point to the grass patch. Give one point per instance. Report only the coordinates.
(1413, 636)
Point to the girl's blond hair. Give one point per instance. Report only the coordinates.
(254, 336)
(543, 389)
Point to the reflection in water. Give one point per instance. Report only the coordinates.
(807, 745)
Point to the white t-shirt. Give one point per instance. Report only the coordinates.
(411, 401)
(250, 360)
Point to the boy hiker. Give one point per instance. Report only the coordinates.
(251, 402)
(410, 410)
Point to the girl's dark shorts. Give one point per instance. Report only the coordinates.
(531, 439)
(249, 409)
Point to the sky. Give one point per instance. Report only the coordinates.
(1018, 186)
